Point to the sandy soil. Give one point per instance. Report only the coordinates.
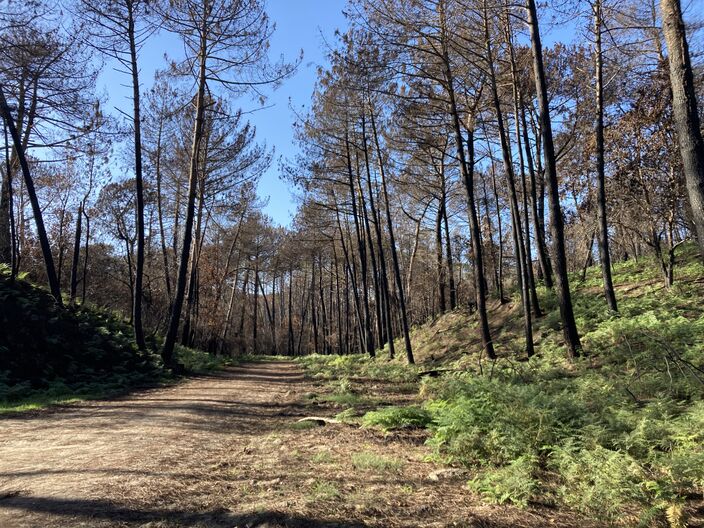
(220, 451)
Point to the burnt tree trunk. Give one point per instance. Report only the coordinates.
(569, 325)
(686, 114)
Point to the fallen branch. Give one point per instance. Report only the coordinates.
(320, 420)
(436, 372)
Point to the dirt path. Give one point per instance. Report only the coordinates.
(220, 451)
(75, 466)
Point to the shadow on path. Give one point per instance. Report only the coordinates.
(94, 510)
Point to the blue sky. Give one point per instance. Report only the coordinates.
(300, 24)
(305, 24)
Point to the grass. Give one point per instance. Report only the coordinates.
(370, 461)
(391, 418)
(323, 457)
(323, 490)
(343, 393)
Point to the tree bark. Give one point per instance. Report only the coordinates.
(368, 341)
(392, 243)
(139, 184)
(686, 114)
(569, 326)
(518, 243)
(170, 341)
(450, 263)
(76, 255)
(439, 263)
(603, 228)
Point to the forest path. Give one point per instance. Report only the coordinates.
(224, 451)
(87, 464)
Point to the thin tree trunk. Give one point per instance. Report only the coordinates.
(7, 194)
(527, 250)
(467, 170)
(160, 214)
(392, 243)
(313, 311)
(569, 326)
(588, 260)
(230, 306)
(351, 272)
(414, 252)
(518, 243)
(368, 342)
(84, 280)
(378, 281)
(170, 341)
(499, 222)
(76, 256)
(686, 113)
(137, 125)
(538, 228)
(603, 228)
(255, 307)
(439, 263)
(450, 263)
(290, 311)
(490, 232)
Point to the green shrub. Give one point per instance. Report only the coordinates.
(391, 418)
(606, 454)
(43, 343)
(199, 362)
(349, 416)
(304, 425)
(617, 435)
(598, 480)
(515, 483)
(356, 366)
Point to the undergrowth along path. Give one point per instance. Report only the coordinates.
(224, 450)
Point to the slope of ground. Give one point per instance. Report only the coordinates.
(645, 303)
(56, 354)
(617, 435)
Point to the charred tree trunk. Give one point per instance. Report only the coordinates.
(603, 228)
(467, 170)
(440, 264)
(569, 326)
(518, 243)
(170, 341)
(686, 113)
(139, 184)
(368, 342)
(450, 262)
(76, 256)
(392, 243)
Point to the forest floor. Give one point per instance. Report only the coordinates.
(227, 450)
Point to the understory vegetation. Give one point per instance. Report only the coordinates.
(616, 435)
(72, 353)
